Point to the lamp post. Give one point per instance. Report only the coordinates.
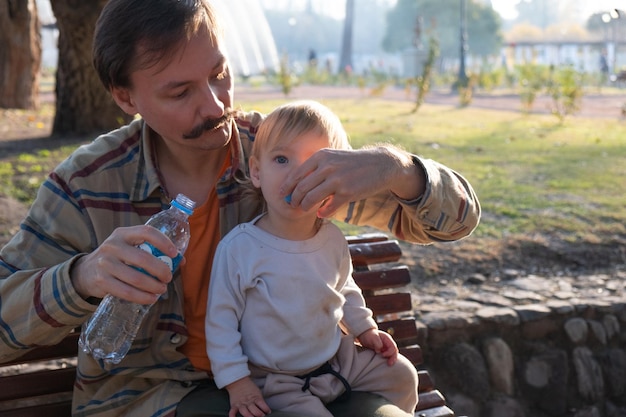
(462, 80)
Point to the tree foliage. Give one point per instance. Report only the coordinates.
(442, 20)
(540, 13)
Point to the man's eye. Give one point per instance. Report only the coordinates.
(180, 94)
(281, 159)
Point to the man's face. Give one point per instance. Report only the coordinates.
(186, 97)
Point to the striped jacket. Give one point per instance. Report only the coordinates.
(113, 182)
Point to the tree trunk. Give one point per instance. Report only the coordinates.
(20, 54)
(82, 103)
(345, 61)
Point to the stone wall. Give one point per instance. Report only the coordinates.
(553, 359)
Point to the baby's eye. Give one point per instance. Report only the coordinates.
(281, 159)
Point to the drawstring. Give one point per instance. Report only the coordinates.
(327, 369)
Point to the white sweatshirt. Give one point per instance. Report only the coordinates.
(278, 303)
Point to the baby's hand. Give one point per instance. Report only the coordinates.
(380, 342)
(246, 399)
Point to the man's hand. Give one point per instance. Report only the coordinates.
(246, 399)
(331, 178)
(380, 342)
(107, 270)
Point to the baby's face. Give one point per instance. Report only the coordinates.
(277, 162)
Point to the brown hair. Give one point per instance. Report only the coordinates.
(133, 34)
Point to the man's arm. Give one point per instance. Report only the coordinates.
(418, 200)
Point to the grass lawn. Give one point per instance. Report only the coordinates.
(532, 174)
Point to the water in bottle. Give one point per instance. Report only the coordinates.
(111, 330)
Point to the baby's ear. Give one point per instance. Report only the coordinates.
(255, 176)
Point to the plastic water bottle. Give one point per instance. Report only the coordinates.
(111, 330)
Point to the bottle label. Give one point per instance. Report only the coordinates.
(172, 263)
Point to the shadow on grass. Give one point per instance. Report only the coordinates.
(31, 144)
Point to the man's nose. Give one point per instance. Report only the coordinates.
(211, 106)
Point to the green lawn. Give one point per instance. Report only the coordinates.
(532, 174)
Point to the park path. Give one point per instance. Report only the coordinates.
(595, 105)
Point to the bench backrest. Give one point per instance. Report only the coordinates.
(40, 383)
(385, 290)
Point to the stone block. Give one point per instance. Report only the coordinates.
(611, 325)
(545, 380)
(589, 378)
(502, 406)
(532, 312)
(467, 371)
(577, 330)
(597, 331)
(500, 364)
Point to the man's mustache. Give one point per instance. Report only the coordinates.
(210, 124)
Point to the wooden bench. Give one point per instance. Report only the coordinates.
(382, 287)
(44, 386)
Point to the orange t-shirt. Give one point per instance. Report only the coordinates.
(196, 273)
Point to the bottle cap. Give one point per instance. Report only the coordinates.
(184, 203)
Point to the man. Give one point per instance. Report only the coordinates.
(165, 60)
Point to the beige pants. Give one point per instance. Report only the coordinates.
(362, 368)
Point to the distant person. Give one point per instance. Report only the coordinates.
(604, 67)
(604, 64)
(312, 58)
(282, 290)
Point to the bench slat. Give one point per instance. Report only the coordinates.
(430, 399)
(37, 383)
(364, 254)
(413, 354)
(441, 411)
(389, 303)
(59, 409)
(426, 383)
(66, 348)
(367, 238)
(403, 331)
(383, 279)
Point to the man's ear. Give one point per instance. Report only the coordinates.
(255, 175)
(123, 99)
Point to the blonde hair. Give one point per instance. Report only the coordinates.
(288, 122)
(291, 120)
